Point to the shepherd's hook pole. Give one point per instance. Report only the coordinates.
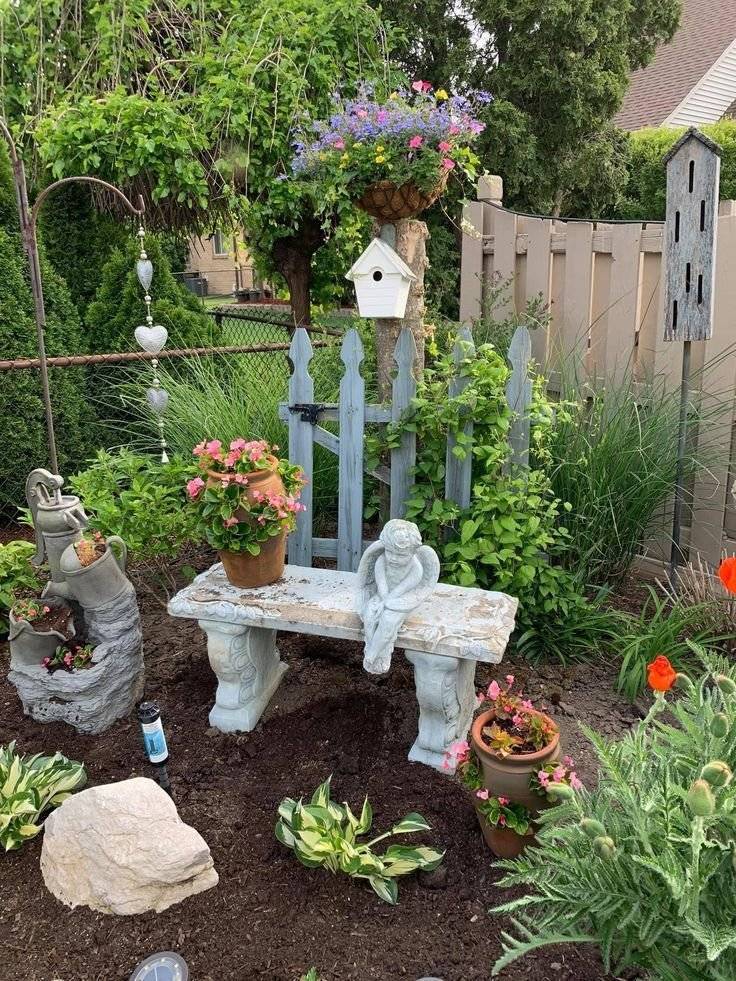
(28, 216)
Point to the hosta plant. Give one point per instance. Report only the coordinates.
(644, 865)
(29, 786)
(325, 834)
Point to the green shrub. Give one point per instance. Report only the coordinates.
(29, 786)
(144, 502)
(663, 627)
(325, 834)
(645, 193)
(643, 866)
(16, 573)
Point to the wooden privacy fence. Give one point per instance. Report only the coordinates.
(303, 415)
(600, 284)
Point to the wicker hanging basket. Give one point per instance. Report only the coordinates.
(390, 202)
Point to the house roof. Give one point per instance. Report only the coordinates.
(706, 32)
(379, 253)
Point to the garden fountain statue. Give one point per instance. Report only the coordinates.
(88, 575)
(396, 575)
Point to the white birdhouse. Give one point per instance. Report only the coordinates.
(382, 281)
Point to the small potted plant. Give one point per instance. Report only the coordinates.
(248, 500)
(94, 573)
(37, 627)
(393, 156)
(511, 767)
(67, 658)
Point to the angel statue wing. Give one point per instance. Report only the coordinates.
(367, 573)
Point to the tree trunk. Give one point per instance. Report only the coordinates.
(292, 256)
(411, 238)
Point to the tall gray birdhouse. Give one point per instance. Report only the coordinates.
(382, 281)
(693, 176)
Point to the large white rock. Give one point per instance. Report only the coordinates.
(122, 848)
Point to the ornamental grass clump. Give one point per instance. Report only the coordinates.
(417, 135)
(644, 865)
(325, 834)
(29, 786)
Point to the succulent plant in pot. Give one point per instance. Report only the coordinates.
(511, 766)
(392, 156)
(248, 500)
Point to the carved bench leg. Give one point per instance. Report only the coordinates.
(246, 662)
(446, 695)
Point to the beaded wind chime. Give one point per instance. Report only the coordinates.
(152, 338)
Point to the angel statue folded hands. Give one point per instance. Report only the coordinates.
(395, 576)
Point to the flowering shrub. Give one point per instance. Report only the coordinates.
(643, 865)
(69, 658)
(416, 135)
(30, 785)
(230, 518)
(29, 610)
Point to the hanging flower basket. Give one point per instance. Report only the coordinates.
(386, 201)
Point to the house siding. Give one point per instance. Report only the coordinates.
(220, 271)
(711, 98)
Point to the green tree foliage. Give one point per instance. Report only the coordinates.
(558, 71)
(194, 105)
(646, 186)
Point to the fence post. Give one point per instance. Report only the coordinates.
(519, 398)
(352, 419)
(458, 473)
(301, 390)
(404, 390)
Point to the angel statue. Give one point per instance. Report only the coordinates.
(395, 576)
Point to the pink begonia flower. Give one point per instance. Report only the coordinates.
(575, 782)
(46, 661)
(241, 478)
(459, 748)
(518, 720)
(503, 801)
(527, 704)
(543, 777)
(448, 164)
(198, 449)
(509, 680)
(445, 763)
(502, 819)
(568, 761)
(559, 773)
(237, 444)
(443, 146)
(47, 609)
(232, 458)
(421, 86)
(194, 486)
(415, 142)
(482, 794)
(494, 691)
(213, 447)
(229, 522)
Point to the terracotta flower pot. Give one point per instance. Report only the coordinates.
(248, 571)
(391, 202)
(503, 842)
(508, 776)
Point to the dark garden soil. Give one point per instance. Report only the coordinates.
(270, 918)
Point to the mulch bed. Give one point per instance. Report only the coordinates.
(270, 918)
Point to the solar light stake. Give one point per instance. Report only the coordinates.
(154, 741)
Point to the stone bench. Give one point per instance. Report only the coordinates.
(443, 639)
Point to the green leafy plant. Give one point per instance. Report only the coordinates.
(663, 627)
(311, 975)
(29, 786)
(643, 865)
(325, 834)
(16, 574)
(69, 658)
(233, 517)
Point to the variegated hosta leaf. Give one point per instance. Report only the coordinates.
(321, 796)
(387, 889)
(286, 808)
(412, 822)
(366, 818)
(401, 861)
(284, 835)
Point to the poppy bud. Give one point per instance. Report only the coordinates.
(717, 773)
(604, 847)
(700, 799)
(719, 725)
(726, 684)
(593, 828)
(559, 791)
(683, 682)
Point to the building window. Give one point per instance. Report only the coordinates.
(218, 244)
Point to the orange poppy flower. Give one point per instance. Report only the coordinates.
(727, 573)
(661, 675)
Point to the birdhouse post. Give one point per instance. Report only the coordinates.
(693, 177)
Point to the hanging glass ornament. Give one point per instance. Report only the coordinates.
(152, 338)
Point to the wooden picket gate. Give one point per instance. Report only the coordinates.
(352, 413)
